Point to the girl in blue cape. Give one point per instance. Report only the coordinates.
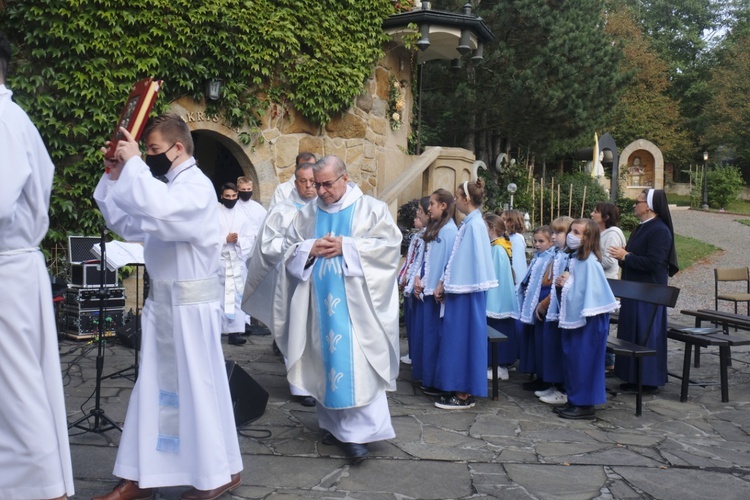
(502, 303)
(534, 287)
(585, 303)
(406, 275)
(462, 355)
(548, 312)
(439, 237)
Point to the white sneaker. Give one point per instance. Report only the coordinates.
(502, 373)
(556, 398)
(546, 392)
(405, 359)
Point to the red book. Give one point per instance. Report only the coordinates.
(135, 113)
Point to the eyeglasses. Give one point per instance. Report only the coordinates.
(306, 182)
(327, 184)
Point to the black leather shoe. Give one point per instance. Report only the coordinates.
(236, 339)
(578, 413)
(308, 401)
(356, 451)
(329, 439)
(566, 406)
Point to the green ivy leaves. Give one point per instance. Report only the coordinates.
(76, 60)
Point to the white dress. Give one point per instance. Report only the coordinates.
(178, 223)
(34, 454)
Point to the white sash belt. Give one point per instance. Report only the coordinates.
(18, 251)
(166, 295)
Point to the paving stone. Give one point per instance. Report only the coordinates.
(554, 482)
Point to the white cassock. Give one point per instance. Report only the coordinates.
(282, 192)
(346, 368)
(34, 450)
(233, 270)
(179, 428)
(265, 262)
(256, 214)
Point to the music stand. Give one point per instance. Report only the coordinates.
(102, 423)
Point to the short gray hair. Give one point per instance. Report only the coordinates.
(339, 167)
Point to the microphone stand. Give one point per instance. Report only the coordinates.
(102, 423)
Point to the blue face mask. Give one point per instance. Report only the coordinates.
(573, 242)
(159, 163)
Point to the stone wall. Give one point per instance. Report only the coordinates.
(362, 136)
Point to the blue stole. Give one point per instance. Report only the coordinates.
(334, 323)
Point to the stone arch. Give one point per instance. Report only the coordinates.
(253, 160)
(643, 165)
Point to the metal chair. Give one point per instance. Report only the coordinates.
(736, 296)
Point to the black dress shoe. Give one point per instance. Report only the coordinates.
(356, 451)
(236, 339)
(578, 413)
(308, 401)
(329, 439)
(558, 409)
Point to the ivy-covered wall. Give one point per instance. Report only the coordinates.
(75, 61)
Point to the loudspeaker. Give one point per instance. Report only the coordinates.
(249, 399)
(128, 335)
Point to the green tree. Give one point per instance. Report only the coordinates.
(545, 85)
(728, 112)
(76, 61)
(645, 110)
(724, 184)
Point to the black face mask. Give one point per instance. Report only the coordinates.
(245, 195)
(159, 163)
(228, 203)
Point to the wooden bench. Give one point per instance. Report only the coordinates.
(722, 318)
(650, 293)
(494, 337)
(709, 337)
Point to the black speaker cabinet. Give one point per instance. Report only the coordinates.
(130, 336)
(249, 399)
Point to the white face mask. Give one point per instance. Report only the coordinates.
(573, 241)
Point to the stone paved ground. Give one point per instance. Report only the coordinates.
(513, 448)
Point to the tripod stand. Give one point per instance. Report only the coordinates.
(102, 423)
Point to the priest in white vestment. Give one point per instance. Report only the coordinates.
(34, 451)
(179, 428)
(337, 317)
(267, 256)
(284, 190)
(256, 214)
